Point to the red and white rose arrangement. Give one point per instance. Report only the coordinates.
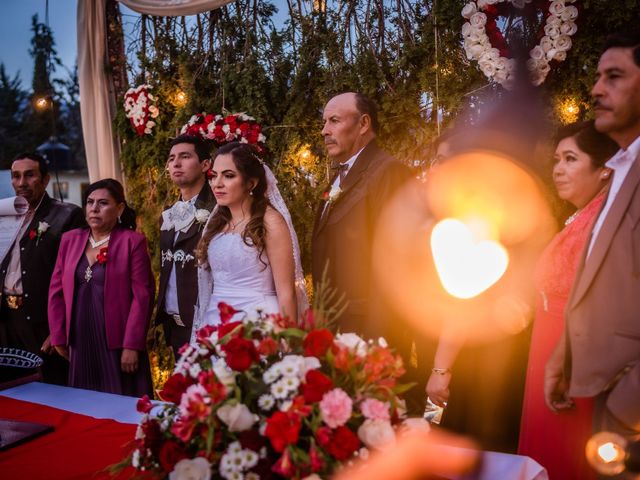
(140, 108)
(271, 398)
(221, 129)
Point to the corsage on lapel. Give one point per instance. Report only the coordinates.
(332, 195)
(36, 234)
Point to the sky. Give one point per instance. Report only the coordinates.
(15, 33)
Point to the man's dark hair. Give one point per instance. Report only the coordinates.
(366, 106)
(36, 157)
(200, 146)
(628, 39)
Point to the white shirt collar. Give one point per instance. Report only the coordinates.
(622, 156)
(353, 159)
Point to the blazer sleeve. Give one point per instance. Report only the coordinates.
(142, 290)
(56, 307)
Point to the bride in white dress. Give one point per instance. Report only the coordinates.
(248, 256)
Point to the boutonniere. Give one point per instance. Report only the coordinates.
(333, 194)
(36, 234)
(202, 215)
(102, 257)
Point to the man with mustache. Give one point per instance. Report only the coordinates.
(600, 354)
(26, 270)
(182, 225)
(363, 180)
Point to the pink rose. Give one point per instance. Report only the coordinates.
(375, 409)
(336, 407)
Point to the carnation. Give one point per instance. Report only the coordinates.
(376, 433)
(336, 407)
(375, 409)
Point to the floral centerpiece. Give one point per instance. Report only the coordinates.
(224, 129)
(140, 108)
(267, 398)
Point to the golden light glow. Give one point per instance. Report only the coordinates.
(180, 98)
(41, 103)
(568, 110)
(305, 158)
(467, 262)
(606, 452)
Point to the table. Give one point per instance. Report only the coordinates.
(94, 430)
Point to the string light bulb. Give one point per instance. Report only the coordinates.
(181, 98)
(41, 103)
(607, 452)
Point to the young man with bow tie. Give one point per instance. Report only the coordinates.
(182, 225)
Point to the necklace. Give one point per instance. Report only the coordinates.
(99, 243)
(237, 224)
(88, 273)
(572, 217)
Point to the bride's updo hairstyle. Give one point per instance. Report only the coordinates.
(249, 165)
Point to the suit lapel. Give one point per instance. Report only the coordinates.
(607, 231)
(205, 198)
(356, 173)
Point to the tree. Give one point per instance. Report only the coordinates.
(12, 109)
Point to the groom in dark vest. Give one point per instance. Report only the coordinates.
(181, 228)
(364, 179)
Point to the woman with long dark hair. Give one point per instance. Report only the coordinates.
(249, 256)
(101, 296)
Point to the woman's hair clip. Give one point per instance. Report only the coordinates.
(258, 158)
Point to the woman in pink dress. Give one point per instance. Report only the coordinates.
(557, 441)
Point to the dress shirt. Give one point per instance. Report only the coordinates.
(620, 163)
(171, 295)
(349, 163)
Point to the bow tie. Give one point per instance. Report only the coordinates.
(341, 169)
(179, 217)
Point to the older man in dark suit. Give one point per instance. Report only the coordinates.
(26, 270)
(600, 355)
(182, 225)
(364, 179)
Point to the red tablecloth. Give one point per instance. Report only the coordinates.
(80, 447)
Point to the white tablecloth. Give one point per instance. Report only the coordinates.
(496, 466)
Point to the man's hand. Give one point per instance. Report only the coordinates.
(62, 351)
(438, 388)
(555, 386)
(129, 360)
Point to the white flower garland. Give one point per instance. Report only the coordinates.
(559, 27)
(140, 107)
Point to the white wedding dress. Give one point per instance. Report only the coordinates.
(240, 278)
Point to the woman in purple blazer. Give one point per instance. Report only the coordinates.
(101, 296)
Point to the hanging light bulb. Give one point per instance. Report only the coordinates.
(180, 98)
(606, 452)
(41, 103)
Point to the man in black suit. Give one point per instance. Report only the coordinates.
(182, 225)
(365, 178)
(26, 270)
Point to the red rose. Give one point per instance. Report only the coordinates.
(170, 454)
(343, 443)
(227, 328)
(144, 405)
(267, 346)
(282, 430)
(174, 387)
(241, 353)
(315, 386)
(152, 436)
(101, 258)
(317, 462)
(226, 312)
(202, 335)
(317, 342)
(32, 234)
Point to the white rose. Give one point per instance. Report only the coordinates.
(469, 9)
(416, 424)
(466, 29)
(376, 433)
(537, 53)
(191, 469)
(553, 20)
(237, 417)
(568, 28)
(43, 227)
(563, 43)
(482, 3)
(502, 64)
(478, 19)
(573, 12)
(226, 376)
(475, 51)
(546, 43)
(477, 36)
(487, 66)
(550, 55)
(557, 7)
(551, 30)
(353, 342)
(334, 193)
(202, 215)
(560, 56)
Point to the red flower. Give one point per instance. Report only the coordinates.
(227, 328)
(170, 454)
(284, 466)
(202, 335)
(174, 387)
(282, 430)
(226, 312)
(209, 174)
(152, 436)
(183, 429)
(241, 353)
(343, 443)
(317, 462)
(317, 342)
(299, 408)
(267, 346)
(216, 390)
(101, 258)
(144, 405)
(323, 435)
(252, 440)
(32, 234)
(315, 386)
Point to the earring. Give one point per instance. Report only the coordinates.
(119, 219)
(251, 192)
(606, 174)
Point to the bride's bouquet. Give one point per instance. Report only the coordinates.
(268, 398)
